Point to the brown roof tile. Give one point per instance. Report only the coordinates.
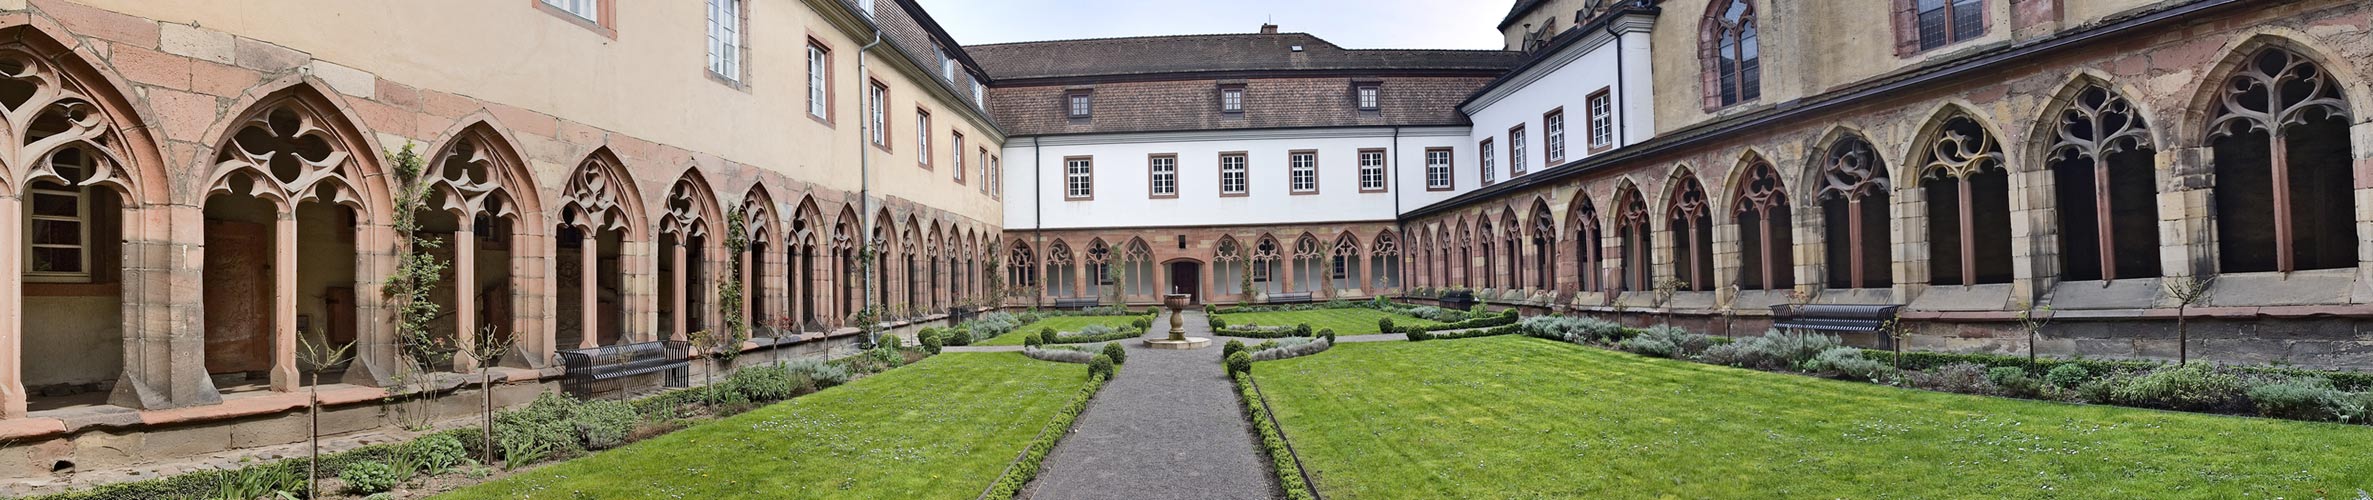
(1281, 102)
(1243, 52)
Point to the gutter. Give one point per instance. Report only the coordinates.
(1805, 107)
(865, 182)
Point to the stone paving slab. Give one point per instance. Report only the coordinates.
(1169, 427)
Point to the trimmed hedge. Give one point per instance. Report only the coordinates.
(1281, 456)
(1026, 466)
(1504, 318)
(1420, 335)
(1120, 334)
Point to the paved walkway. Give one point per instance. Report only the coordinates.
(1168, 427)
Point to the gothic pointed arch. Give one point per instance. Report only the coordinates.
(1689, 218)
(1853, 189)
(1965, 186)
(2104, 183)
(1582, 218)
(1384, 261)
(477, 171)
(601, 195)
(57, 103)
(1635, 239)
(1542, 233)
(297, 145)
(1730, 54)
(2279, 132)
(1761, 211)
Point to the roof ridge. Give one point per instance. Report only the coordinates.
(1145, 37)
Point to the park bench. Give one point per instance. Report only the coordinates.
(1837, 319)
(611, 362)
(1077, 302)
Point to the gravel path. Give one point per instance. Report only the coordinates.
(1168, 427)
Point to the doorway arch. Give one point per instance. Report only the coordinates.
(1185, 276)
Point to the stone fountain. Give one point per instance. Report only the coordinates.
(1178, 339)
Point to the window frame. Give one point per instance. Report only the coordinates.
(1153, 176)
(1484, 163)
(923, 137)
(820, 94)
(1089, 176)
(1909, 40)
(984, 169)
(1715, 29)
(1238, 90)
(1368, 96)
(1553, 137)
(1244, 161)
(81, 220)
(879, 114)
(1516, 152)
(1290, 156)
(1383, 169)
(736, 71)
(1449, 169)
(956, 155)
(996, 177)
(1597, 114)
(1079, 104)
(604, 21)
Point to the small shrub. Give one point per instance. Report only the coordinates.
(1141, 323)
(959, 337)
(1231, 348)
(1302, 330)
(765, 383)
(931, 342)
(543, 426)
(1384, 325)
(1510, 314)
(1775, 350)
(2067, 376)
(1033, 341)
(2014, 381)
(1218, 323)
(439, 452)
(368, 476)
(1667, 342)
(818, 372)
(1101, 366)
(2002, 374)
(1327, 333)
(1239, 363)
(2190, 387)
(604, 423)
(1046, 335)
(1059, 355)
(893, 342)
(1965, 378)
(1847, 362)
(2300, 399)
(1119, 355)
(1647, 346)
(2100, 390)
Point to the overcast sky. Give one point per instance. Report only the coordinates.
(1359, 24)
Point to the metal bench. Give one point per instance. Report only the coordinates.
(1289, 298)
(611, 362)
(1457, 300)
(1835, 318)
(1077, 302)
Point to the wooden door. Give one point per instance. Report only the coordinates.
(238, 296)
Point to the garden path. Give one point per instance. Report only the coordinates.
(1169, 426)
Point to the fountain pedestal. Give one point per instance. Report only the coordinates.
(1177, 339)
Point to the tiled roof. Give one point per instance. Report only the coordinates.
(1243, 52)
(1518, 10)
(1193, 104)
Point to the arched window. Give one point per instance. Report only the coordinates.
(1761, 208)
(1060, 275)
(1227, 266)
(1512, 242)
(1466, 256)
(2101, 168)
(2282, 164)
(1264, 265)
(1637, 241)
(1489, 268)
(1021, 266)
(1138, 262)
(1734, 67)
(1689, 219)
(1343, 263)
(1384, 263)
(1308, 276)
(1544, 247)
(1854, 193)
(1587, 248)
(1968, 205)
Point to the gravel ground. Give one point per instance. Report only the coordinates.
(1168, 427)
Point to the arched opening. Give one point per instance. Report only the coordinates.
(1968, 200)
(1544, 239)
(1588, 249)
(1137, 263)
(597, 214)
(1062, 278)
(1265, 272)
(1690, 219)
(2281, 143)
(1761, 207)
(1635, 241)
(1490, 267)
(1854, 197)
(1343, 264)
(1384, 263)
(2103, 182)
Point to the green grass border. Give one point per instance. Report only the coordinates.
(1025, 466)
(1297, 485)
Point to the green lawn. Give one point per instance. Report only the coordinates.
(944, 427)
(1345, 321)
(1060, 324)
(1517, 417)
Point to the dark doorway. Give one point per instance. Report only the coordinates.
(1187, 278)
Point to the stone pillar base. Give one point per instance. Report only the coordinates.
(1181, 345)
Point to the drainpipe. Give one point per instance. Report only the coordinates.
(1037, 214)
(1622, 119)
(865, 220)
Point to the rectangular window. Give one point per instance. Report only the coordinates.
(880, 98)
(1553, 137)
(980, 93)
(1438, 170)
(819, 82)
(1079, 178)
(1162, 172)
(1080, 104)
(1371, 170)
(590, 10)
(1368, 98)
(1488, 175)
(725, 39)
(1602, 120)
(1302, 172)
(1232, 174)
(923, 138)
(1516, 151)
(1260, 270)
(985, 173)
(57, 230)
(1231, 99)
(1341, 266)
(956, 155)
(1945, 22)
(996, 180)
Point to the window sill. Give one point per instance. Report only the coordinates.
(727, 81)
(597, 27)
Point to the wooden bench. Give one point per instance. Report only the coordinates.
(1077, 303)
(1289, 298)
(611, 362)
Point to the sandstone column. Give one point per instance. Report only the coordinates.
(465, 297)
(589, 286)
(284, 302)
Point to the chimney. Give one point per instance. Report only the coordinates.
(1268, 29)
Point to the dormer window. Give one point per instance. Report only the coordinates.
(1079, 104)
(1369, 100)
(1231, 99)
